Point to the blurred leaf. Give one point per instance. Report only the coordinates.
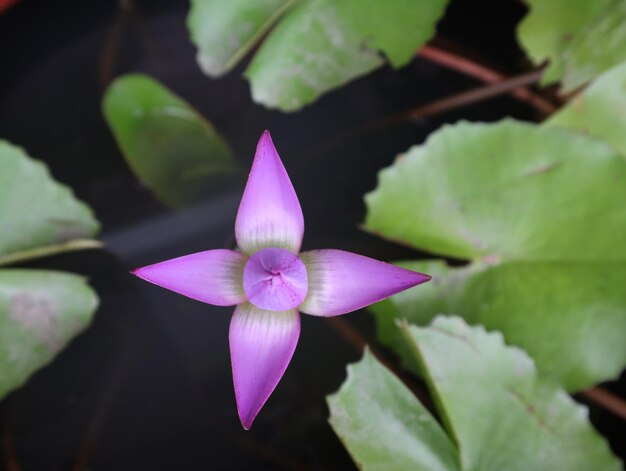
(40, 312)
(385, 427)
(169, 146)
(502, 415)
(224, 32)
(580, 38)
(599, 110)
(542, 212)
(35, 210)
(316, 46)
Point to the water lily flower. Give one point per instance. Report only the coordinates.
(271, 283)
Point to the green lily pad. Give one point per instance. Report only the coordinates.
(569, 316)
(600, 110)
(498, 412)
(502, 414)
(170, 147)
(511, 191)
(384, 426)
(315, 46)
(224, 32)
(442, 294)
(36, 211)
(580, 38)
(40, 312)
(541, 213)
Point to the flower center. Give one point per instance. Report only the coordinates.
(275, 279)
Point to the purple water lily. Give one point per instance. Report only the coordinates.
(270, 282)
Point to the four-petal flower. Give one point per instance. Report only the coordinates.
(270, 282)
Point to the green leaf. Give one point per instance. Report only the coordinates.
(224, 32)
(570, 316)
(35, 210)
(541, 213)
(385, 427)
(420, 306)
(40, 311)
(580, 38)
(317, 45)
(169, 146)
(501, 413)
(599, 110)
(508, 191)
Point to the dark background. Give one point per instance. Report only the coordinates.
(148, 385)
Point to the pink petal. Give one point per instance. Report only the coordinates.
(213, 276)
(341, 282)
(261, 346)
(269, 214)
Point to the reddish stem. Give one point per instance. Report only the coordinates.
(6, 4)
(484, 74)
(606, 400)
(9, 455)
(358, 343)
(459, 100)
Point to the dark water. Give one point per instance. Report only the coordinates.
(148, 386)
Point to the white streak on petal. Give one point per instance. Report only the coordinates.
(213, 276)
(261, 346)
(341, 282)
(269, 214)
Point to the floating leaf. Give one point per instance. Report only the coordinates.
(542, 213)
(502, 414)
(496, 408)
(316, 46)
(419, 306)
(40, 312)
(580, 38)
(384, 426)
(36, 211)
(599, 110)
(510, 190)
(169, 146)
(224, 32)
(570, 316)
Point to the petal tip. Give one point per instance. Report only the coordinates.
(246, 412)
(266, 143)
(414, 278)
(421, 278)
(143, 273)
(246, 422)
